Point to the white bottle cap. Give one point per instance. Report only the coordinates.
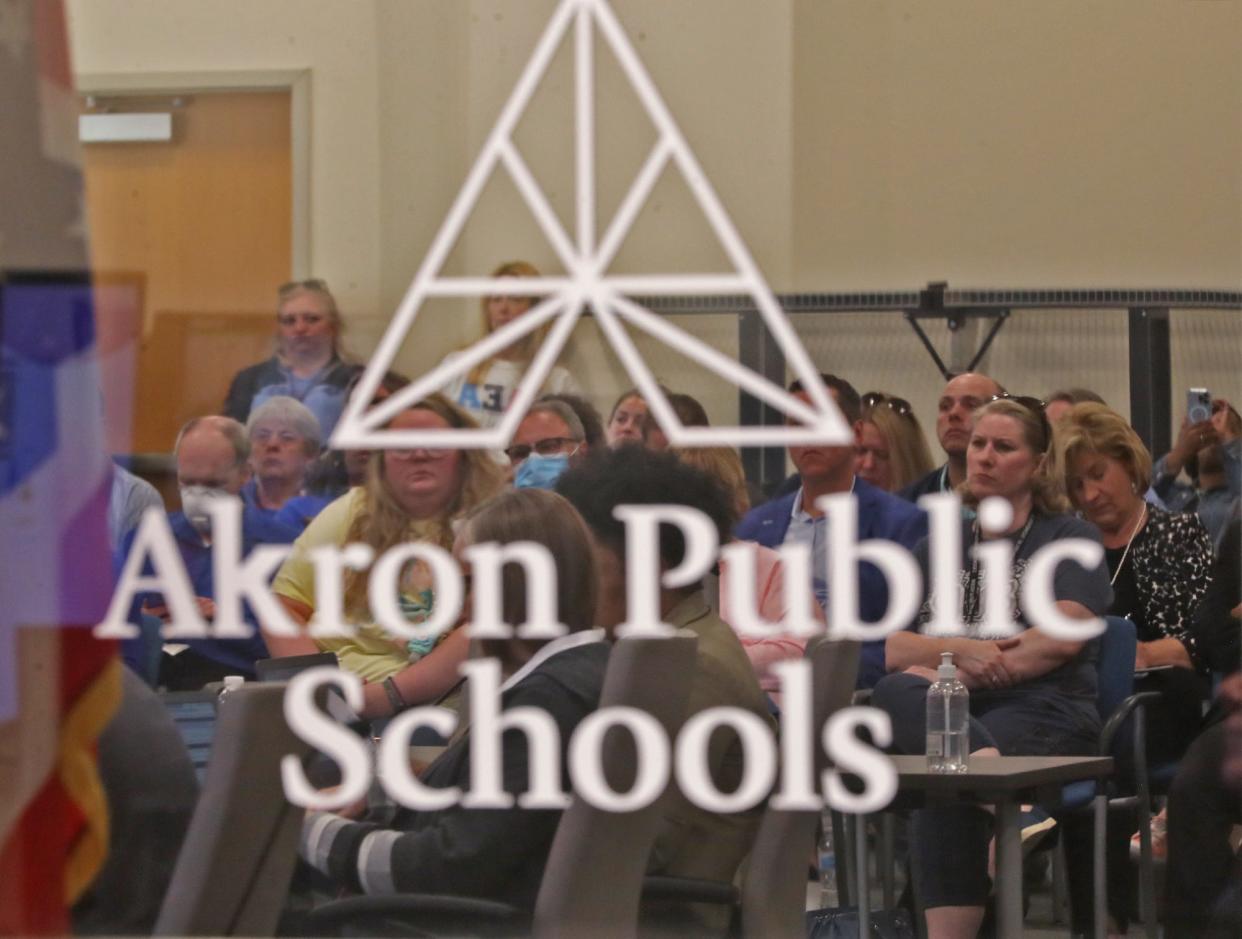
(946, 670)
(233, 681)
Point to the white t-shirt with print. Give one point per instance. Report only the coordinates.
(487, 400)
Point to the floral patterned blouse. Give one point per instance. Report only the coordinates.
(1164, 577)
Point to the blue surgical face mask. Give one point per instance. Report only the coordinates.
(540, 472)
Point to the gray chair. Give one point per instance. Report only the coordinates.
(771, 903)
(594, 873)
(232, 874)
(773, 894)
(598, 858)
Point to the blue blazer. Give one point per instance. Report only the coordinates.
(880, 515)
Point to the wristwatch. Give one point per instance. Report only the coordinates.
(394, 695)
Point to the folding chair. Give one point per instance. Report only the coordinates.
(772, 898)
(232, 874)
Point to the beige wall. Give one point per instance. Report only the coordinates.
(334, 40)
(447, 70)
(1018, 143)
(856, 146)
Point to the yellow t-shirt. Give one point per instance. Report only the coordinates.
(371, 653)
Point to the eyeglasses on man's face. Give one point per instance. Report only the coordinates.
(289, 320)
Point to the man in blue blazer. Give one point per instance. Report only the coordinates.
(793, 518)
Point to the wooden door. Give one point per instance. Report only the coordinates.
(205, 221)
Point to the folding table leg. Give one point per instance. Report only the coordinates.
(860, 858)
(1099, 867)
(1009, 869)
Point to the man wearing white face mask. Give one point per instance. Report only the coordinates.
(211, 455)
(548, 439)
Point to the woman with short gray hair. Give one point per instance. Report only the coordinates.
(284, 438)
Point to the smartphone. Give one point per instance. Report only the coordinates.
(1198, 405)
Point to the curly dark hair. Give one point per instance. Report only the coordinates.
(638, 476)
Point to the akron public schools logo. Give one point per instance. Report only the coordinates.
(586, 259)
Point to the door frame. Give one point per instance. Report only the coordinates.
(296, 81)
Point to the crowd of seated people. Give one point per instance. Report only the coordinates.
(212, 456)
(500, 853)
(409, 495)
(1070, 469)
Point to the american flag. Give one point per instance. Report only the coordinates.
(58, 685)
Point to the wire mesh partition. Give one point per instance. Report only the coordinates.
(1139, 349)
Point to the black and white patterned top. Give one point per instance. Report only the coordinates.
(1164, 578)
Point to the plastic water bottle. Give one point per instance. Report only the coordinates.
(948, 720)
(230, 682)
(827, 866)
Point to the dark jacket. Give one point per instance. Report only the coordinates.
(496, 854)
(934, 481)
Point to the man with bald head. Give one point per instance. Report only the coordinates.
(961, 396)
(212, 456)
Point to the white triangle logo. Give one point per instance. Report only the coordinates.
(585, 260)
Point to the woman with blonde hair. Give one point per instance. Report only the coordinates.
(892, 450)
(410, 495)
(1030, 694)
(308, 364)
(1160, 565)
(486, 391)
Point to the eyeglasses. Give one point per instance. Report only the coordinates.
(266, 436)
(548, 446)
(291, 319)
(1035, 406)
(425, 453)
(873, 399)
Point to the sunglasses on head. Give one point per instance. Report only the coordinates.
(874, 399)
(1035, 406)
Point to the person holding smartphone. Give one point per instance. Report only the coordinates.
(1209, 450)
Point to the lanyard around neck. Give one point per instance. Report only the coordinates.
(971, 602)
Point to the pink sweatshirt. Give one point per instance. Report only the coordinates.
(770, 598)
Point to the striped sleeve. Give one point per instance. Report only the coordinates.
(333, 846)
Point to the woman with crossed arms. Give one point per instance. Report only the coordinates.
(1031, 694)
